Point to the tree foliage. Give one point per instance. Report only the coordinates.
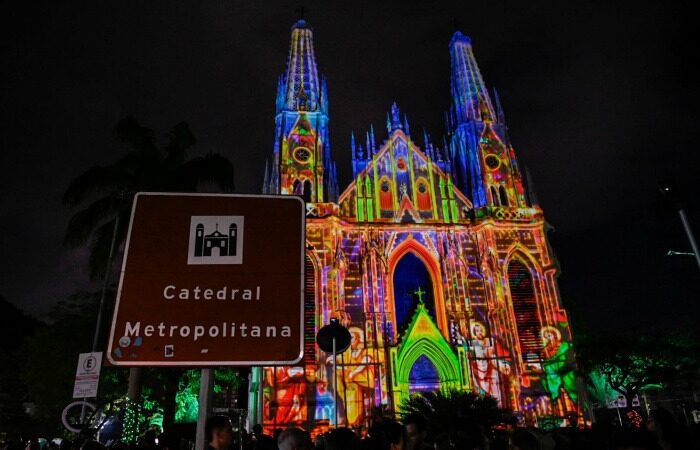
(49, 357)
(106, 193)
(104, 196)
(15, 327)
(630, 364)
(456, 416)
(187, 397)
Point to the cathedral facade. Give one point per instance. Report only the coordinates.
(435, 257)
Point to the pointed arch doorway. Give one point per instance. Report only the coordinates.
(415, 278)
(425, 361)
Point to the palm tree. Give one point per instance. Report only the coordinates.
(106, 192)
(456, 418)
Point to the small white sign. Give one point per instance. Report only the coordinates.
(87, 375)
(621, 402)
(696, 415)
(216, 240)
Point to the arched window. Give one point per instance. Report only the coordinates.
(423, 195)
(386, 196)
(307, 193)
(423, 376)
(527, 320)
(494, 196)
(504, 196)
(412, 284)
(309, 311)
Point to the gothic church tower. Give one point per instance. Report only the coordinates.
(301, 163)
(483, 161)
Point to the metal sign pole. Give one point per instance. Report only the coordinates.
(205, 390)
(334, 338)
(335, 389)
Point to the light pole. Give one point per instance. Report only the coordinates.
(668, 191)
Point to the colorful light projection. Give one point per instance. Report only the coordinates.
(435, 258)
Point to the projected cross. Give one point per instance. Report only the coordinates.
(419, 292)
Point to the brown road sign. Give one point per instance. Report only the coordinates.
(211, 280)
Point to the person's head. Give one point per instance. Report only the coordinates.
(523, 440)
(631, 439)
(257, 429)
(661, 422)
(294, 439)
(89, 445)
(341, 439)
(219, 432)
(319, 442)
(389, 434)
(416, 430)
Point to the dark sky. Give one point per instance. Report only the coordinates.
(601, 101)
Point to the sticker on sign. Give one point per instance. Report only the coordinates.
(210, 280)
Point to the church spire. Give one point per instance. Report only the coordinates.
(304, 89)
(468, 88)
(301, 162)
(483, 161)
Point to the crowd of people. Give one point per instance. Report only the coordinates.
(659, 432)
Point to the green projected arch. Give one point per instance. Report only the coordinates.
(423, 338)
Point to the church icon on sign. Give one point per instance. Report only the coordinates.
(216, 243)
(210, 245)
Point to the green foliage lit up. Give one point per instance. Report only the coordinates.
(634, 364)
(187, 397)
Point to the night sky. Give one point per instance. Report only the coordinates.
(601, 102)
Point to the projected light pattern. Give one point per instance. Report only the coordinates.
(434, 257)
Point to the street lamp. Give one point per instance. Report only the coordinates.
(667, 190)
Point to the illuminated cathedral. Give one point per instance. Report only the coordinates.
(435, 257)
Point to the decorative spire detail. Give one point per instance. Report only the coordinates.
(303, 89)
(531, 193)
(466, 81)
(395, 123)
(500, 115)
(266, 180)
(352, 145)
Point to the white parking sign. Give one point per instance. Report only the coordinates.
(87, 375)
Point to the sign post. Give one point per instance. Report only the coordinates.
(206, 386)
(334, 338)
(87, 375)
(211, 280)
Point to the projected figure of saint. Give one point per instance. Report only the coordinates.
(485, 363)
(355, 377)
(290, 394)
(558, 364)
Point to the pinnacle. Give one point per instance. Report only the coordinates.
(459, 37)
(300, 24)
